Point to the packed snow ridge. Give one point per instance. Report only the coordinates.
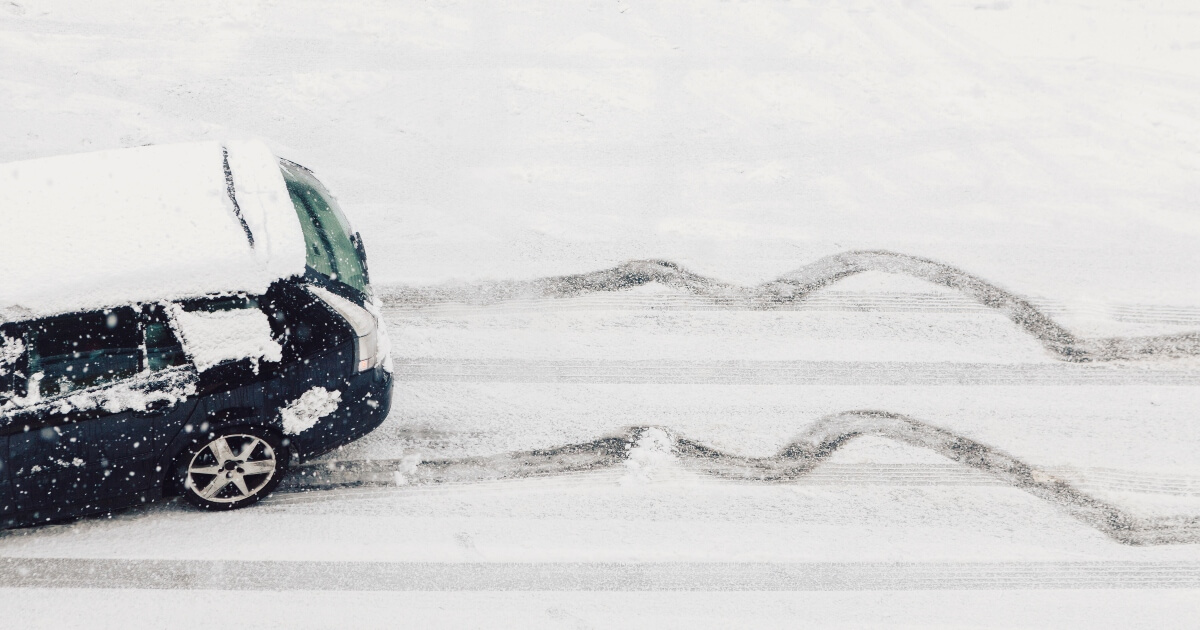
(651, 451)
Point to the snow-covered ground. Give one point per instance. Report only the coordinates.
(1052, 149)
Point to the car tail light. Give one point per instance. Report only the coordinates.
(361, 320)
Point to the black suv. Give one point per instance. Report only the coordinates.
(111, 407)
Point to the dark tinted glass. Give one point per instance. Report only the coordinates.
(223, 303)
(76, 351)
(163, 349)
(331, 248)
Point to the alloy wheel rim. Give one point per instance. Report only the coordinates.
(231, 468)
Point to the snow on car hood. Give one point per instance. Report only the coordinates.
(153, 223)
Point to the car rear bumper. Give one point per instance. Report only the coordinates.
(365, 402)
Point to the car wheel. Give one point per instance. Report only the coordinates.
(232, 468)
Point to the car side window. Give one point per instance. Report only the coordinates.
(163, 349)
(12, 363)
(72, 352)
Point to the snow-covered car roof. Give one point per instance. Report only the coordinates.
(163, 222)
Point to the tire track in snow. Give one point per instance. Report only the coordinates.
(352, 473)
(796, 286)
(824, 301)
(796, 461)
(828, 300)
(266, 575)
(654, 371)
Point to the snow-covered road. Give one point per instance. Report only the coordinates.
(541, 467)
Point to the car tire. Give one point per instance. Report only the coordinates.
(231, 468)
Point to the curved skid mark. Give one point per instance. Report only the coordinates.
(797, 285)
(796, 460)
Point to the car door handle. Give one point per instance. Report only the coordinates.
(154, 408)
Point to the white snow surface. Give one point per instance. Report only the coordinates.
(148, 223)
(212, 338)
(303, 413)
(1050, 148)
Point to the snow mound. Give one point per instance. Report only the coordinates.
(653, 451)
(304, 412)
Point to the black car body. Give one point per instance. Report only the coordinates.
(111, 406)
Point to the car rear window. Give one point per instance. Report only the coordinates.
(331, 250)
